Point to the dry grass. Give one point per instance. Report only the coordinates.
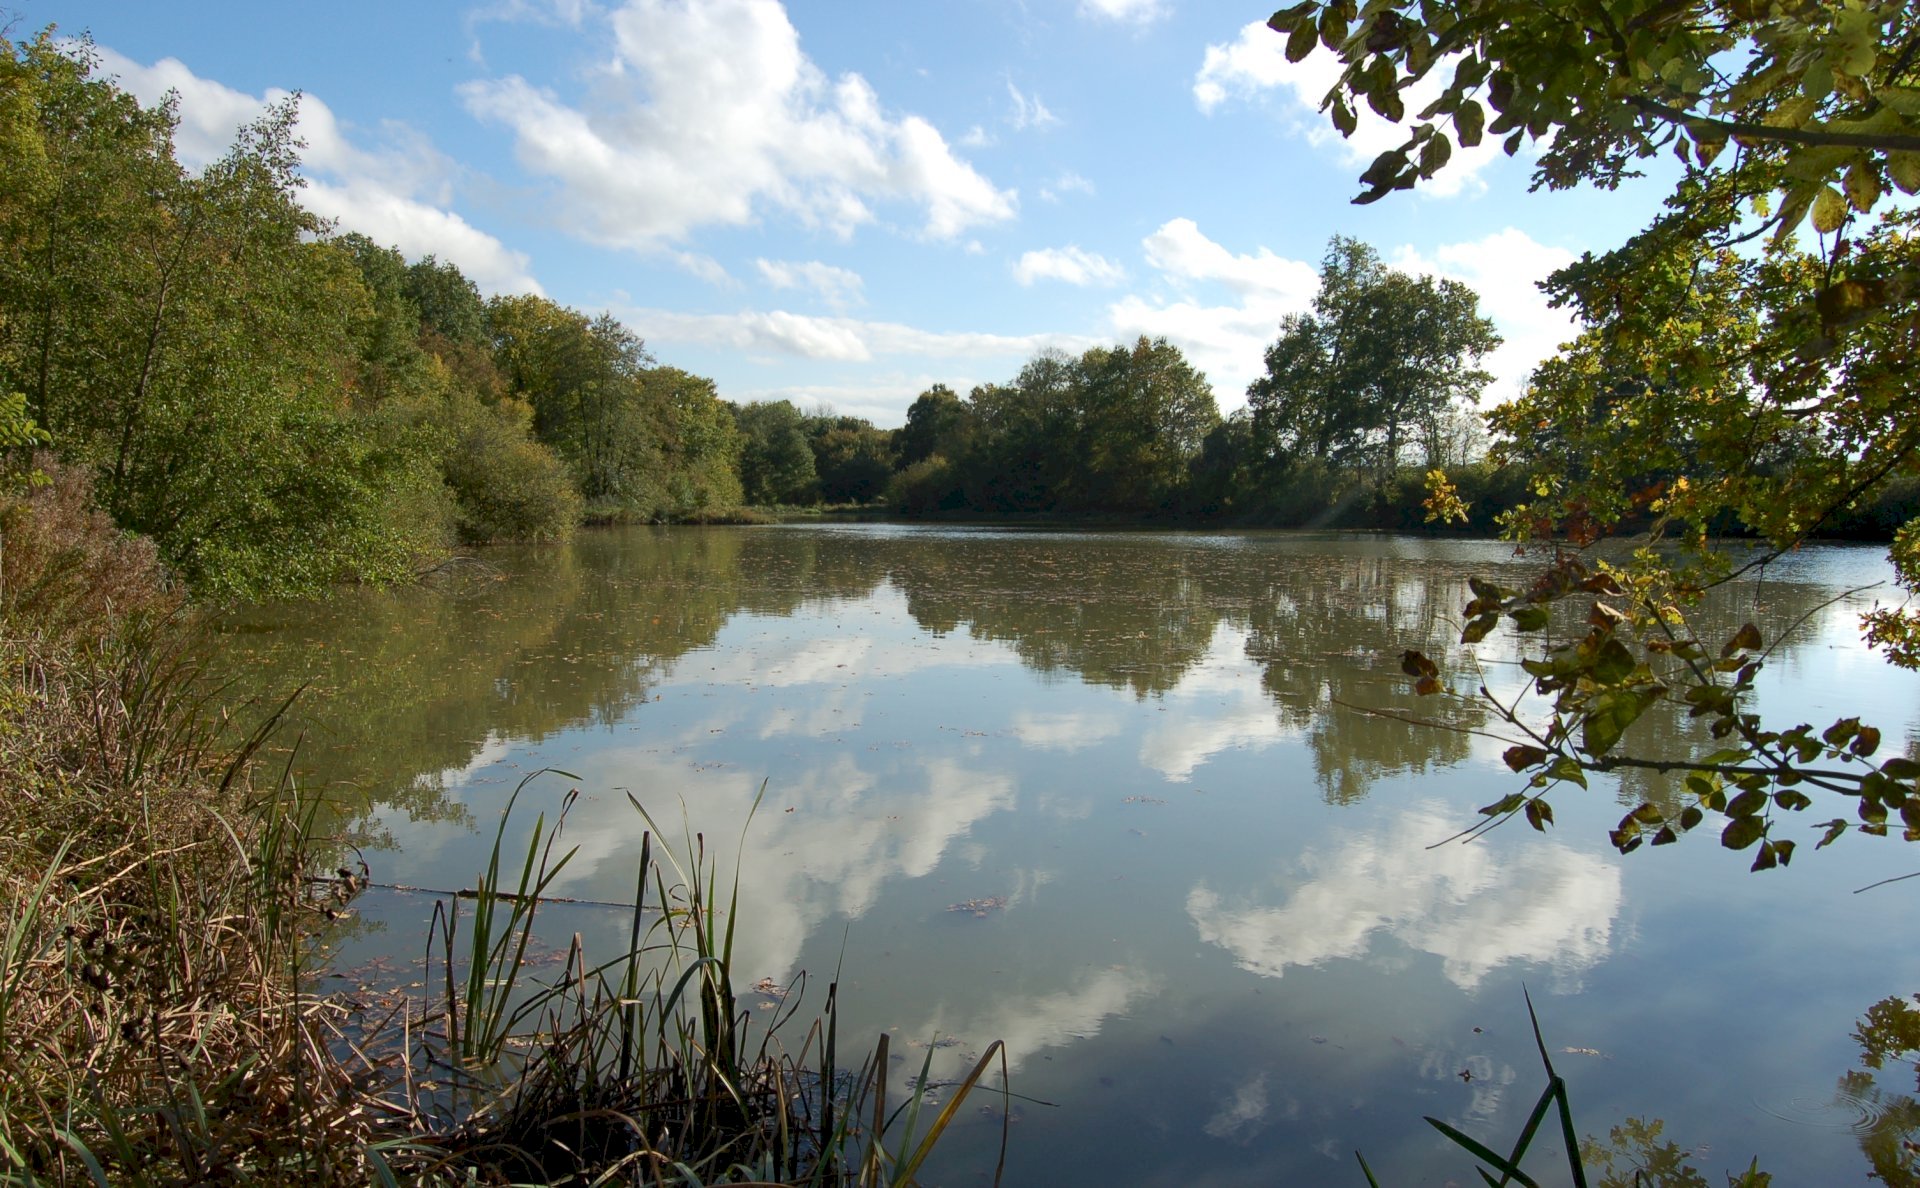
(161, 899)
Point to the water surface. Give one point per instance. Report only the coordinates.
(1115, 799)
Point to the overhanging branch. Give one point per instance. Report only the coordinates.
(1885, 142)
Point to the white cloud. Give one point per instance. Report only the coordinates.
(1219, 705)
(1228, 342)
(838, 287)
(1130, 12)
(976, 137)
(1067, 183)
(1069, 264)
(703, 266)
(1028, 111)
(397, 194)
(1256, 63)
(1065, 732)
(778, 332)
(1179, 250)
(709, 114)
(1474, 907)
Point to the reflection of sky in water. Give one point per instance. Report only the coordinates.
(1218, 975)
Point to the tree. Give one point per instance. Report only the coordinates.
(938, 422)
(851, 458)
(188, 337)
(1381, 356)
(1144, 413)
(1746, 359)
(776, 463)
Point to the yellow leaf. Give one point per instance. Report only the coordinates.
(1904, 169)
(1829, 210)
(1863, 186)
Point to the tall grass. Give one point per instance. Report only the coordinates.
(163, 895)
(641, 1069)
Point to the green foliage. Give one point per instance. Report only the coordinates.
(938, 422)
(776, 461)
(1383, 358)
(1746, 362)
(1115, 431)
(506, 485)
(852, 460)
(185, 335)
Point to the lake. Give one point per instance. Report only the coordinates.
(1116, 799)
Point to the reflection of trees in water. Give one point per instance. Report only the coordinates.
(408, 687)
(405, 687)
(1130, 613)
(1329, 635)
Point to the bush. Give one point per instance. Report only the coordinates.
(66, 568)
(506, 485)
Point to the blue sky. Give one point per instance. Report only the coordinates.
(846, 202)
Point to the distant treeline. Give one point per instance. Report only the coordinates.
(280, 407)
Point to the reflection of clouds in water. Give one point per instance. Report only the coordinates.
(1488, 1088)
(833, 853)
(1246, 1111)
(887, 649)
(1065, 732)
(1218, 705)
(1474, 908)
(820, 714)
(1030, 1024)
(493, 748)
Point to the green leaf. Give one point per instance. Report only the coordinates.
(1614, 664)
(1766, 859)
(1900, 768)
(1503, 806)
(1746, 639)
(1477, 630)
(1904, 169)
(1539, 814)
(1742, 832)
(1530, 618)
(1301, 41)
(1608, 717)
(1747, 804)
(1469, 122)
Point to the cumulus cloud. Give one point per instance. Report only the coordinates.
(396, 193)
(1070, 264)
(1228, 339)
(1255, 64)
(1126, 12)
(1505, 268)
(781, 333)
(1475, 908)
(709, 113)
(838, 287)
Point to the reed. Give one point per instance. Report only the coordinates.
(641, 1069)
(164, 894)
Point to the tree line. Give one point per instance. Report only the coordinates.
(281, 407)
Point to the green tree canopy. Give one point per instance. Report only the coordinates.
(1746, 360)
(1380, 356)
(776, 462)
(186, 335)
